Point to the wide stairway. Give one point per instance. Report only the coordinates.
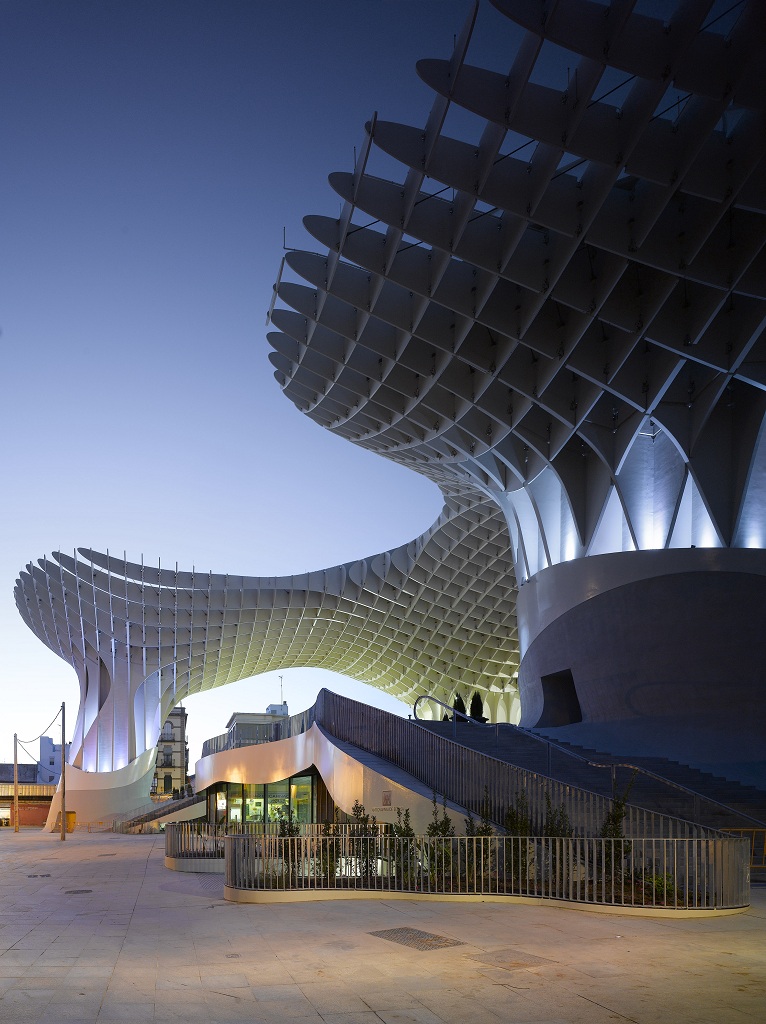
(703, 798)
(159, 810)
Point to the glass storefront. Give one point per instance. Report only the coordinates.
(254, 803)
(301, 798)
(231, 803)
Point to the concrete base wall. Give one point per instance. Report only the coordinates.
(103, 796)
(666, 650)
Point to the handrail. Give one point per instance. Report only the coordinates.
(465, 776)
(612, 765)
(155, 809)
(435, 700)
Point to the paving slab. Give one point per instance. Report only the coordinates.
(145, 944)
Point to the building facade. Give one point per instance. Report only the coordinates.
(49, 763)
(34, 797)
(171, 769)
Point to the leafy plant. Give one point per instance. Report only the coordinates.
(556, 826)
(329, 847)
(484, 827)
(402, 827)
(612, 828)
(440, 827)
(404, 849)
(518, 828)
(517, 821)
(557, 823)
(612, 825)
(661, 887)
(364, 841)
(477, 852)
(289, 829)
(287, 825)
(440, 831)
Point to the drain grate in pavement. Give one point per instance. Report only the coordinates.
(39, 876)
(416, 939)
(211, 885)
(106, 854)
(76, 892)
(511, 959)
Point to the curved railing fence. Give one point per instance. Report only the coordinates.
(676, 874)
(197, 840)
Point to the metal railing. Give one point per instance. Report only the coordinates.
(677, 874)
(192, 840)
(283, 727)
(480, 782)
(617, 775)
(757, 840)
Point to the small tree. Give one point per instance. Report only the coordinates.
(329, 850)
(615, 816)
(612, 829)
(479, 832)
(288, 829)
(365, 840)
(518, 828)
(440, 831)
(440, 827)
(557, 823)
(405, 853)
(287, 825)
(556, 826)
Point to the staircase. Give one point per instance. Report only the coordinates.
(699, 799)
(158, 811)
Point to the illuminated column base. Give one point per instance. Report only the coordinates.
(103, 796)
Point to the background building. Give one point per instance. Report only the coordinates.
(34, 797)
(245, 728)
(172, 765)
(49, 763)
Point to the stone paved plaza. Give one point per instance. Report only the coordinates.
(142, 943)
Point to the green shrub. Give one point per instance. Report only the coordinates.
(440, 831)
(661, 888)
(364, 840)
(517, 821)
(557, 823)
(404, 850)
(329, 848)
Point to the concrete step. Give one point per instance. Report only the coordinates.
(517, 747)
(745, 798)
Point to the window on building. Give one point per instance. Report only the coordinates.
(235, 803)
(51, 761)
(168, 783)
(300, 797)
(278, 795)
(253, 796)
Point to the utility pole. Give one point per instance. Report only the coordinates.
(15, 783)
(63, 771)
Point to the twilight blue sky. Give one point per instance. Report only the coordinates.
(153, 152)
